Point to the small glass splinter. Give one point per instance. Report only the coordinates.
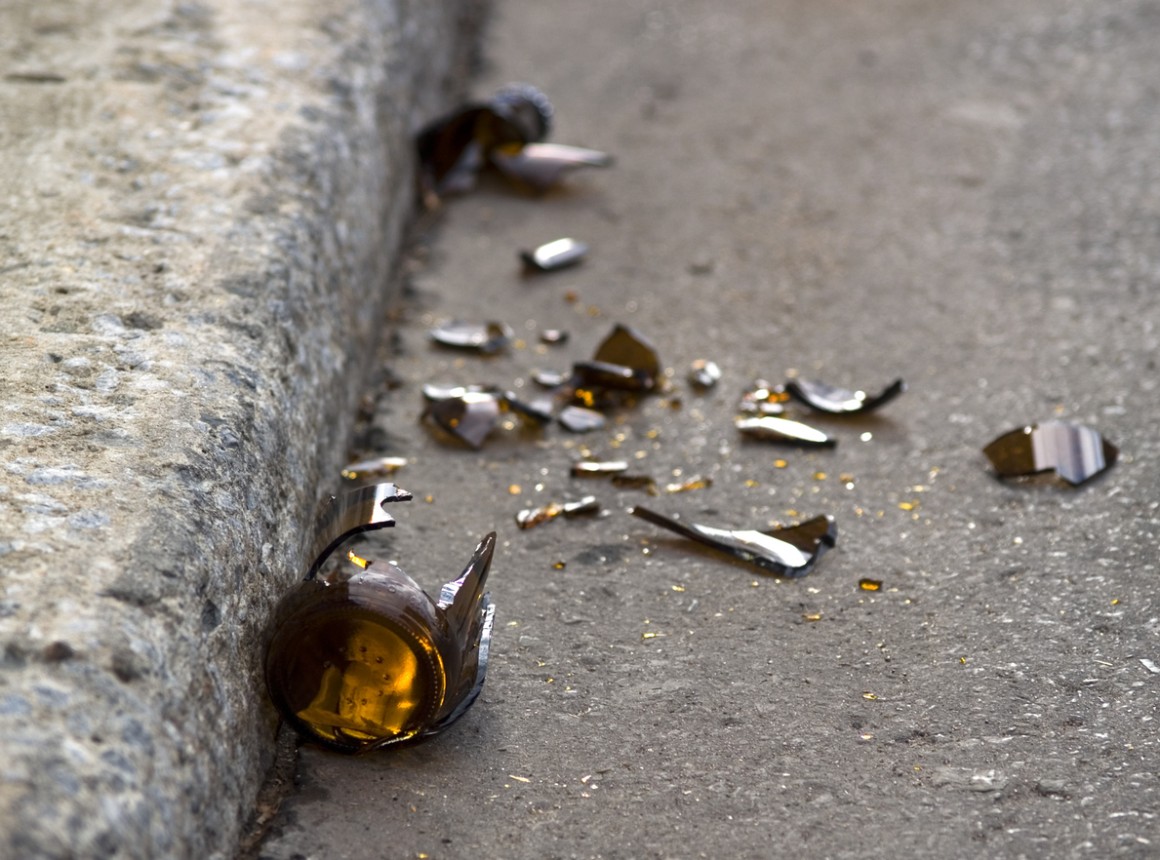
(542, 165)
(789, 552)
(487, 338)
(364, 660)
(554, 255)
(598, 469)
(840, 401)
(1075, 452)
(533, 517)
(704, 374)
(774, 429)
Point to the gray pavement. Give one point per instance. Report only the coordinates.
(202, 205)
(964, 195)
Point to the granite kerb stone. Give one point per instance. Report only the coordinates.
(203, 205)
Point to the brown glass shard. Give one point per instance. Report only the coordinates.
(774, 429)
(577, 419)
(704, 374)
(548, 378)
(1076, 453)
(362, 661)
(538, 409)
(636, 482)
(454, 148)
(542, 165)
(789, 552)
(598, 469)
(469, 417)
(532, 517)
(694, 483)
(555, 255)
(488, 338)
(627, 347)
(841, 401)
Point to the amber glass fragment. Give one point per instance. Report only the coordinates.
(627, 347)
(704, 374)
(470, 417)
(789, 552)
(840, 401)
(636, 482)
(361, 661)
(488, 337)
(454, 148)
(532, 517)
(1074, 451)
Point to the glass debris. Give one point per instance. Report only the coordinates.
(554, 337)
(579, 419)
(377, 467)
(636, 482)
(764, 399)
(488, 338)
(867, 584)
(627, 347)
(538, 409)
(789, 552)
(454, 148)
(361, 658)
(551, 256)
(704, 374)
(694, 483)
(840, 401)
(774, 429)
(593, 468)
(548, 378)
(532, 517)
(542, 165)
(1074, 451)
(471, 416)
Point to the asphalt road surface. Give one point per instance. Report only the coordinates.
(963, 195)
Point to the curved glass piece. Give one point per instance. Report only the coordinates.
(841, 401)
(774, 429)
(1076, 453)
(357, 662)
(469, 417)
(488, 337)
(789, 552)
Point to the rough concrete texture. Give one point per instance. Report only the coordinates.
(962, 194)
(201, 208)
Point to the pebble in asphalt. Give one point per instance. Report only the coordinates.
(962, 195)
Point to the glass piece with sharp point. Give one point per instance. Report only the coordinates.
(361, 658)
(789, 552)
(774, 429)
(487, 338)
(1076, 453)
(533, 517)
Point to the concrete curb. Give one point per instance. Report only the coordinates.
(202, 208)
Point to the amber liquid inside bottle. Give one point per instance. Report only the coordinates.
(354, 679)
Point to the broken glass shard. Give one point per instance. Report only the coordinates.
(532, 517)
(602, 374)
(1074, 451)
(627, 347)
(789, 552)
(488, 338)
(694, 483)
(840, 401)
(636, 482)
(538, 409)
(764, 399)
(704, 374)
(542, 165)
(454, 148)
(548, 378)
(580, 420)
(378, 467)
(470, 417)
(433, 391)
(774, 429)
(593, 468)
(554, 255)
(554, 337)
